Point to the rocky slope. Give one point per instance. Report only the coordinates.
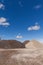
(8, 44)
(12, 44)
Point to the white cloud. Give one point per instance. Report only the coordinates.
(2, 6)
(2, 19)
(37, 6)
(3, 22)
(19, 36)
(35, 27)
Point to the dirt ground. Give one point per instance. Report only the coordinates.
(21, 56)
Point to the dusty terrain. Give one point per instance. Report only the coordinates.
(13, 52)
(21, 56)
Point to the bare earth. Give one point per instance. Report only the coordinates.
(21, 56)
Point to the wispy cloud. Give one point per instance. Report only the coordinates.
(19, 36)
(35, 27)
(3, 22)
(2, 6)
(2, 1)
(20, 3)
(37, 6)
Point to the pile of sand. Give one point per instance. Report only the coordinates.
(33, 44)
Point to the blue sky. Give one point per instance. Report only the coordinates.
(21, 19)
